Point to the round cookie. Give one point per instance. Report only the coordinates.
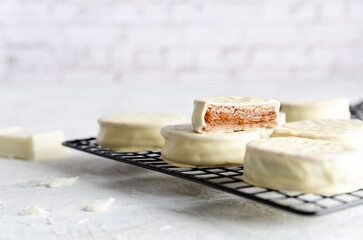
(134, 132)
(296, 110)
(345, 131)
(184, 147)
(303, 165)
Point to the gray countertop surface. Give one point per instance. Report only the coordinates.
(148, 204)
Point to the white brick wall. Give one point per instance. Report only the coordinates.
(119, 41)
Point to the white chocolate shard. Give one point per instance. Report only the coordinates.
(99, 205)
(39, 182)
(62, 182)
(55, 182)
(34, 210)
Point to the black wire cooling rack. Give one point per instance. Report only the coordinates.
(228, 179)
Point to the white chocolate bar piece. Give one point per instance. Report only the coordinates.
(31, 145)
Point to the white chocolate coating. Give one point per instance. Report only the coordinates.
(303, 165)
(296, 110)
(31, 145)
(345, 131)
(184, 147)
(201, 103)
(133, 132)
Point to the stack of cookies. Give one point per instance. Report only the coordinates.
(322, 156)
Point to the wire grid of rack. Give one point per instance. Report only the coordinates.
(228, 179)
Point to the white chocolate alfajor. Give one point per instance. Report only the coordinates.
(303, 165)
(230, 113)
(134, 132)
(296, 110)
(345, 131)
(184, 147)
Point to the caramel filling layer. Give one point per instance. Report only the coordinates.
(222, 118)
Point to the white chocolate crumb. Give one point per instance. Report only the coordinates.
(35, 210)
(99, 205)
(62, 182)
(54, 183)
(39, 182)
